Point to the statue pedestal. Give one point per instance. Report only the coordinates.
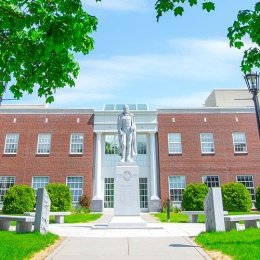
(154, 204)
(127, 199)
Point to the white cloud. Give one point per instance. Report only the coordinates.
(161, 77)
(118, 5)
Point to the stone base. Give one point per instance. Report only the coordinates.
(133, 222)
(96, 205)
(154, 204)
(127, 199)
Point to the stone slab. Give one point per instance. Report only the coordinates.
(127, 199)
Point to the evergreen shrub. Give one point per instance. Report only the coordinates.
(60, 196)
(194, 196)
(257, 198)
(19, 199)
(236, 197)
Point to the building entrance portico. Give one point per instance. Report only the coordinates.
(107, 157)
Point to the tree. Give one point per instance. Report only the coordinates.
(246, 25)
(38, 40)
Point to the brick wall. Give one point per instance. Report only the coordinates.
(224, 163)
(59, 163)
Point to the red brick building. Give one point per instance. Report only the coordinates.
(175, 147)
(211, 145)
(39, 146)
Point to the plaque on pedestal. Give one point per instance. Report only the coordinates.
(127, 199)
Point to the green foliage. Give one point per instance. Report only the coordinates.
(257, 197)
(246, 26)
(242, 245)
(194, 196)
(236, 197)
(38, 40)
(177, 6)
(23, 246)
(19, 199)
(60, 196)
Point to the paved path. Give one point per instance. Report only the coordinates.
(160, 241)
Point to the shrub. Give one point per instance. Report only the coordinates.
(257, 198)
(194, 196)
(84, 201)
(19, 199)
(236, 197)
(60, 196)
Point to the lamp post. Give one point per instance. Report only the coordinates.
(252, 82)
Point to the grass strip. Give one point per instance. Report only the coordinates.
(79, 218)
(23, 246)
(242, 245)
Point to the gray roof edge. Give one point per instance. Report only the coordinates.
(45, 111)
(206, 110)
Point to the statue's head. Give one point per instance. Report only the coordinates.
(126, 109)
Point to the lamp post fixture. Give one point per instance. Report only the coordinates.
(252, 82)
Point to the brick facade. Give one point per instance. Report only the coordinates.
(59, 164)
(192, 163)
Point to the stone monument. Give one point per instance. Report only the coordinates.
(213, 208)
(42, 213)
(127, 201)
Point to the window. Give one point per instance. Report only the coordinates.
(11, 143)
(174, 143)
(211, 181)
(5, 183)
(76, 187)
(76, 143)
(109, 193)
(177, 185)
(141, 144)
(207, 143)
(247, 180)
(239, 142)
(111, 144)
(39, 182)
(143, 193)
(44, 144)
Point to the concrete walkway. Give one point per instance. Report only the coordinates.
(156, 242)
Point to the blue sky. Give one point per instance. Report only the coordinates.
(174, 63)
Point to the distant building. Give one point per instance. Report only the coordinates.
(229, 98)
(79, 147)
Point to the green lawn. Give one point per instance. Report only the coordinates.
(22, 246)
(79, 218)
(242, 245)
(176, 217)
(182, 218)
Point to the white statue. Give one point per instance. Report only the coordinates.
(126, 135)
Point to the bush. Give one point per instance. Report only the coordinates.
(194, 196)
(60, 196)
(84, 201)
(19, 199)
(236, 197)
(257, 198)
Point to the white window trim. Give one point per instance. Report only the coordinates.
(244, 175)
(211, 175)
(40, 177)
(212, 152)
(6, 176)
(239, 152)
(174, 143)
(6, 143)
(82, 134)
(75, 176)
(185, 184)
(37, 151)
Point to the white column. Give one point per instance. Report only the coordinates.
(154, 191)
(98, 156)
